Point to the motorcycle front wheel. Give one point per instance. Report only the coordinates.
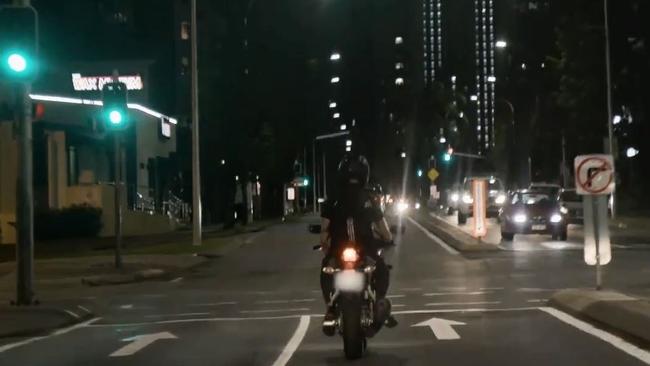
(354, 342)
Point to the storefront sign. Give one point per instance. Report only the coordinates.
(95, 83)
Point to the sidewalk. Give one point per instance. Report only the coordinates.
(630, 230)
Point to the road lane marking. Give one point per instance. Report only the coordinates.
(173, 315)
(395, 296)
(71, 313)
(154, 295)
(397, 306)
(461, 310)
(613, 340)
(285, 301)
(59, 332)
(452, 288)
(441, 328)
(273, 311)
(84, 309)
(216, 303)
(436, 239)
(470, 293)
(126, 306)
(294, 342)
(463, 303)
(412, 289)
(140, 342)
(537, 300)
(492, 288)
(175, 280)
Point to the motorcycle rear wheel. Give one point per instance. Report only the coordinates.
(354, 341)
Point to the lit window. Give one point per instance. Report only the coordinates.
(399, 66)
(335, 56)
(399, 40)
(492, 79)
(336, 115)
(332, 105)
(335, 80)
(399, 81)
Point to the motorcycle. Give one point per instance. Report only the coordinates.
(359, 314)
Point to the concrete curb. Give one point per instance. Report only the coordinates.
(613, 310)
(458, 239)
(42, 320)
(119, 279)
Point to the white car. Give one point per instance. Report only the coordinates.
(497, 197)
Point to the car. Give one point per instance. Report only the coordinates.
(552, 189)
(496, 198)
(453, 198)
(533, 212)
(571, 205)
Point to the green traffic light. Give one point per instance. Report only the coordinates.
(17, 62)
(446, 157)
(420, 173)
(305, 182)
(115, 117)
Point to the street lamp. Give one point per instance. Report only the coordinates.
(617, 119)
(631, 152)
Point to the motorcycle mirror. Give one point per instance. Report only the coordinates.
(314, 228)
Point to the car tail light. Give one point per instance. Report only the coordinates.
(350, 255)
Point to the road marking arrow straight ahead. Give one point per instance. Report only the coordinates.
(442, 328)
(140, 342)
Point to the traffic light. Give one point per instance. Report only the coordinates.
(305, 182)
(420, 173)
(115, 111)
(448, 155)
(18, 43)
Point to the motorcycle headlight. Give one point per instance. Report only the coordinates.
(402, 207)
(455, 197)
(468, 199)
(556, 218)
(501, 199)
(520, 218)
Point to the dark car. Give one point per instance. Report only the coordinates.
(572, 206)
(533, 212)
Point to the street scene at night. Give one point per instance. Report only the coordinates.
(324, 182)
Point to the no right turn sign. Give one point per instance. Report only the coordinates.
(594, 174)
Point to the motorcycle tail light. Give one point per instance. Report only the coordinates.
(350, 255)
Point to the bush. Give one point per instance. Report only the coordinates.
(71, 222)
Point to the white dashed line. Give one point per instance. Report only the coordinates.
(492, 288)
(285, 301)
(73, 314)
(273, 311)
(537, 300)
(216, 303)
(395, 296)
(470, 293)
(175, 280)
(84, 309)
(463, 303)
(173, 315)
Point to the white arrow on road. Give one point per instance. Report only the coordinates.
(442, 328)
(140, 342)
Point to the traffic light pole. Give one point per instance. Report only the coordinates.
(25, 204)
(117, 138)
(196, 168)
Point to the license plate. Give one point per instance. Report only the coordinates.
(349, 281)
(539, 227)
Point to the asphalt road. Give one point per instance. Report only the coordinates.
(261, 305)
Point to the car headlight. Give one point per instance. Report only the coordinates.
(520, 218)
(501, 199)
(417, 205)
(402, 207)
(455, 197)
(564, 210)
(556, 217)
(468, 199)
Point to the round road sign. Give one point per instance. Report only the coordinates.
(594, 174)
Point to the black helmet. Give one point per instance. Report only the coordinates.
(354, 170)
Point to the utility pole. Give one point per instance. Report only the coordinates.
(117, 146)
(608, 63)
(313, 172)
(196, 167)
(23, 20)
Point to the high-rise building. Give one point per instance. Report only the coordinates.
(432, 39)
(485, 72)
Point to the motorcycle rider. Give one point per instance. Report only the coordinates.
(355, 201)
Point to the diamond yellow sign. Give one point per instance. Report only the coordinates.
(433, 175)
